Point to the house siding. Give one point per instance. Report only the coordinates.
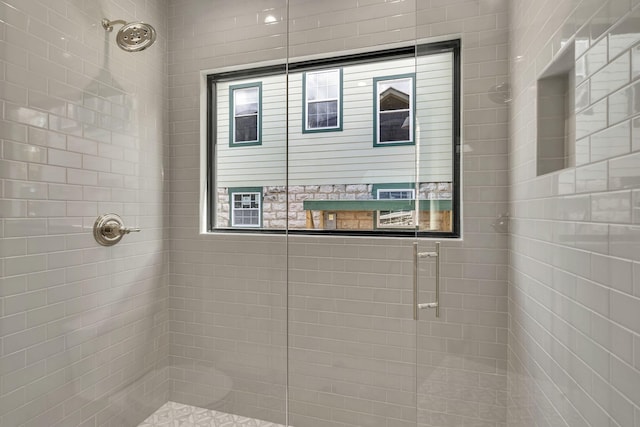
(346, 157)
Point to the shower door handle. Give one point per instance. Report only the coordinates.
(416, 256)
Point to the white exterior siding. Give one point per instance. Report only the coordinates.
(434, 109)
(253, 165)
(347, 156)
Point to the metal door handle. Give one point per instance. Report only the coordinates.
(428, 254)
(417, 255)
(428, 305)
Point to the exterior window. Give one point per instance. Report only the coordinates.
(306, 138)
(396, 219)
(322, 100)
(246, 114)
(246, 207)
(394, 110)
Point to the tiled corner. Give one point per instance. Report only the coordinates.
(84, 335)
(102, 337)
(572, 302)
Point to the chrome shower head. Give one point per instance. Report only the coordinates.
(133, 36)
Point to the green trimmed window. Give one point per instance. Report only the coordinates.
(322, 100)
(245, 206)
(394, 102)
(246, 114)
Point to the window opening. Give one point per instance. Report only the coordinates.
(328, 182)
(245, 110)
(322, 100)
(245, 208)
(394, 110)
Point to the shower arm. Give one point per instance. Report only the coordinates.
(108, 25)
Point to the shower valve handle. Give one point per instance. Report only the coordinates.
(109, 229)
(127, 230)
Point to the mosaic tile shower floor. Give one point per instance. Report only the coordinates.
(173, 414)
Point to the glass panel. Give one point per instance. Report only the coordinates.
(243, 164)
(435, 137)
(395, 94)
(352, 348)
(331, 174)
(231, 352)
(246, 128)
(322, 92)
(246, 101)
(322, 98)
(312, 86)
(351, 333)
(395, 194)
(456, 384)
(394, 126)
(332, 90)
(323, 114)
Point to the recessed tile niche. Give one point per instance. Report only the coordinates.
(556, 124)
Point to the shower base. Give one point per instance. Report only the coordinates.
(173, 414)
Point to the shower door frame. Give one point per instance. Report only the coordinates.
(416, 238)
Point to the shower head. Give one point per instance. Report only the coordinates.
(133, 36)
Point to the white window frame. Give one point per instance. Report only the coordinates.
(233, 209)
(233, 90)
(307, 102)
(410, 122)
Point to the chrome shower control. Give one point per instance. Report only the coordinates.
(109, 229)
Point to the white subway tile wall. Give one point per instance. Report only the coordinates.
(574, 322)
(351, 334)
(83, 328)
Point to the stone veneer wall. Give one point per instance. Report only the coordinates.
(274, 203)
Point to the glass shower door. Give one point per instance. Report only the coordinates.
(351, 170)
(369, 343)
(352, 337)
